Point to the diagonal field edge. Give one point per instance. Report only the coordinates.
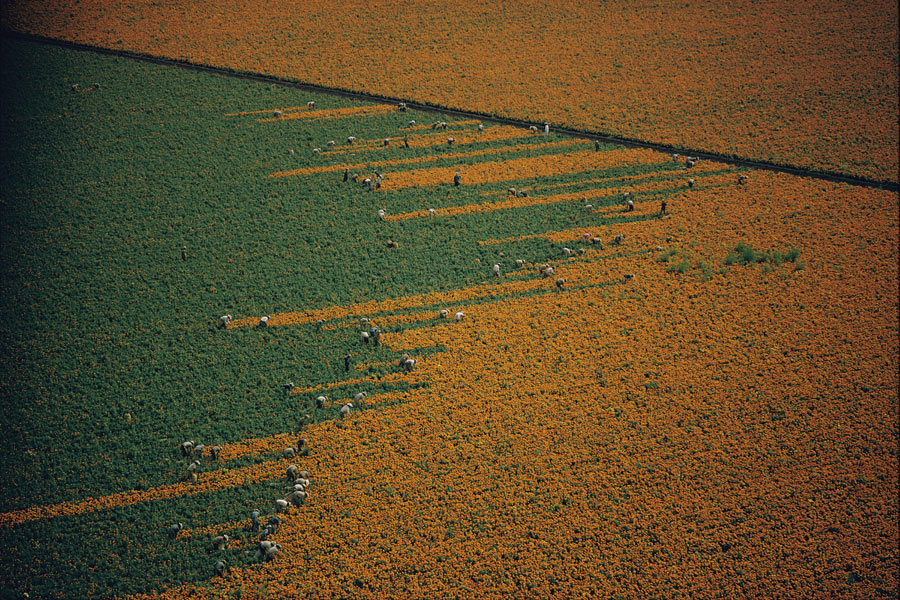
(434, 108)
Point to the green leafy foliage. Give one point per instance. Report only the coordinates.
(109, 355)
(127, 550)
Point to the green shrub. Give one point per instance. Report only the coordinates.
(792, 254)
(667, 254)
(744, 254)
(682, 267)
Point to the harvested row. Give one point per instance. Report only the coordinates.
(460, 137)
(523, 168)
(423, 301)
(374, 365)
(334, 113)
(422, 127)
(256, 446)
(391, 378)
(400, 319)
(378, 399)
(212, 530)
(218, 481)
(571, 235)
(392, 397)
(394, 304)
(700, 168)
(278, 442)
(422, 159)
(221, 479)
(519, 202)
(266, 111)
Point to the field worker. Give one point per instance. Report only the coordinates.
(662, 208)
(630, 206)
(546, 129)
(457, 179)
(346, 174)
(406, 141)
(596, 145)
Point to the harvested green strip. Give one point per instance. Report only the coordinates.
(439, 153)
(132, 217)
(127, 550)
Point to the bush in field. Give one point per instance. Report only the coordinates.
(744, 254)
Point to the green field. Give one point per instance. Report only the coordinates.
(101, 316)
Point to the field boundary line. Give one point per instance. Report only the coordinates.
(609, 138)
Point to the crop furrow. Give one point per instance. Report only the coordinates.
(421, 159)
(521, 168)
(332, 113)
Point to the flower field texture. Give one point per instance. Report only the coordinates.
(673, 436)
(550, 400)
(804, 83)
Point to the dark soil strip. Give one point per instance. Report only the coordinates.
(607, 138)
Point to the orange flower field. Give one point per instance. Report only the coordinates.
(804, 83)
(454, 360)
(605, 452)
